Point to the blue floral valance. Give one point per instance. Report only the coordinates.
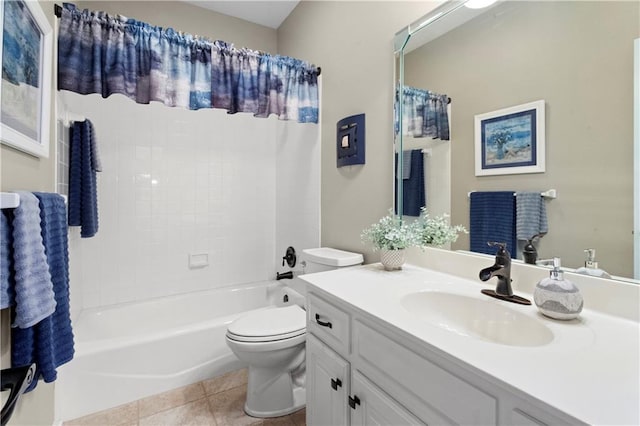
(103, 54)
(424, 114)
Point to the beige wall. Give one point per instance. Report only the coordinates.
(22, 171)
(584, 72)
(192, 19)
(352, 42)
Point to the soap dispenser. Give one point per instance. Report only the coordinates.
(591, 266)
(555, 296)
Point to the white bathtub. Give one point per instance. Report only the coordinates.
(130, 351)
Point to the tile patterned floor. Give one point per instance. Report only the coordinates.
(215, 402)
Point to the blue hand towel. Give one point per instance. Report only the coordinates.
(33, 287)
(83, 165)
(493, 218)
(50, 342)
(7, 282)
(531, 215)
(413, 191)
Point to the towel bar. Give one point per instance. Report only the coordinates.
(550, 194)
(9, 200)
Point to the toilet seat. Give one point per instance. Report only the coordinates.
(269, 325)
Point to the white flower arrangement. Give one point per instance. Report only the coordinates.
(436, 231)
(392, 233)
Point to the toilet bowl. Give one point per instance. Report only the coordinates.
(272, 342)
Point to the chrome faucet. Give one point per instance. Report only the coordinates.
(501, 269)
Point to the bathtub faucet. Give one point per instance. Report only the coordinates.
(284, 275)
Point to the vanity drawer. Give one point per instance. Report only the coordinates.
(430, 392)
(329, 323)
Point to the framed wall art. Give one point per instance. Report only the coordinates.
(26, 51)
(510, 140)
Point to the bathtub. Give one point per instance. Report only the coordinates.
(134, 350)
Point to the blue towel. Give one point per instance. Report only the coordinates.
(413, 191)
(34, 295)
(50, 342)
(83, 191)
(531, 215)
(7, 279)
(493, 218)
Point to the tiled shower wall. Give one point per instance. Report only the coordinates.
(233, 189)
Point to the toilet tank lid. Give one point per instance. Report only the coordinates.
(332, 257)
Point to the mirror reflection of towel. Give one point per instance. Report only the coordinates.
(405, 173)
(531, 215)
(413, 191)
(492, 218)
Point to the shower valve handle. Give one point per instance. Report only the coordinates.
(290, 257)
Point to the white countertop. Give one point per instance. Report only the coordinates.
(590, 370)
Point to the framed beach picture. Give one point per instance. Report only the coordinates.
(26, 51)
(510, 140)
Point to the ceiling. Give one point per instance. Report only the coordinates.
(269, 13)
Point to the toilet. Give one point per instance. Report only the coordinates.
(272, 342)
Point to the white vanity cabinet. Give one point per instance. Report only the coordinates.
(327, 385)
(362, 371)
(338, 396)
(374, 407)
(337, 393)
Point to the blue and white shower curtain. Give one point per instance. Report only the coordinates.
(99, 53)
(424, 114)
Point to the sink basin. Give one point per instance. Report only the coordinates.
(482, 319)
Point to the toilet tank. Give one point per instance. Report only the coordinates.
(326, 259)
(320, 260)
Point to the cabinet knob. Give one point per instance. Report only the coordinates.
(354, 401)
(323, 323)
(336, 383)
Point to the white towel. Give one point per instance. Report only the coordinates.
(34, 295)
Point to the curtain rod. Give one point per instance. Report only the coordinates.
(57, 10)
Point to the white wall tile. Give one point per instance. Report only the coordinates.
(179, 182)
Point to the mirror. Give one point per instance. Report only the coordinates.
(576, 56)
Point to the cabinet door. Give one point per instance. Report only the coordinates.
(327, 385)
(371, 406)
(524, 419)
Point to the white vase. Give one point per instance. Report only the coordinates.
(392, 260)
